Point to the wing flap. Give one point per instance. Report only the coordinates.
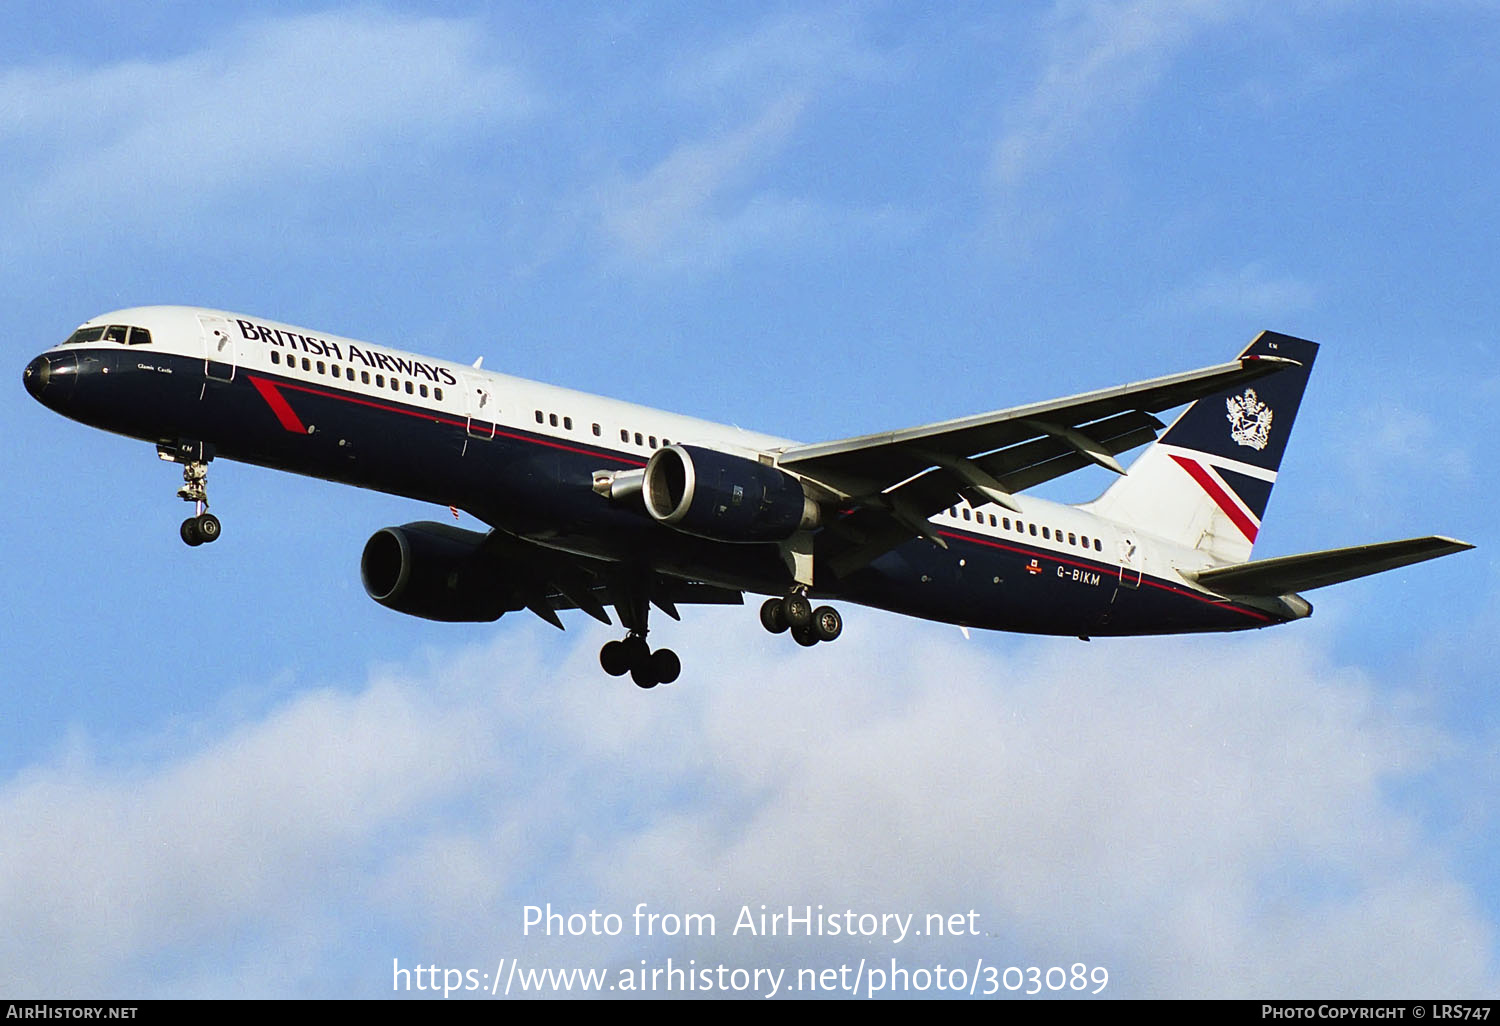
(1271, 577)
(546, 581)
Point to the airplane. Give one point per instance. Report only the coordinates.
(595, 503)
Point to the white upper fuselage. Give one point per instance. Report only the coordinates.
(457, 390)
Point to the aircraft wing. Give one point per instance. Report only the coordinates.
(544, 581)
(985, 457)
(896, 480)
(1271, 577)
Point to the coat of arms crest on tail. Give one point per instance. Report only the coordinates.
(1249, 420)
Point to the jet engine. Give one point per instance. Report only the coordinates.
(434, 571)
(726, 498)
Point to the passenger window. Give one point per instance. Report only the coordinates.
(638, 439)
(539, 416)
(552, 419)
(567, 423)
(1097, 546)
(364, 377)
(624, 435)
(275, 356)
(966, 512)
(422, 391)
(1072, 540)
(992, 521)
(437, 393)
(1033, 530)
(306, 364)
(596, 430)
(1046, 535)
(334, 369)
(652, 440)
(380, 381)
(408, 388)
(395, 385)
(320, 367)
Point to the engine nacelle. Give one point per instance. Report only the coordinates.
(726, 498)
(434, 571)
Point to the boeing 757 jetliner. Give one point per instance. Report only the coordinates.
(595, 503)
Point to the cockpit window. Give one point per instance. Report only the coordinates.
(85, 335)
(111, 333)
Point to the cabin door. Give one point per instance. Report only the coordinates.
(220, 348)
(481, 407)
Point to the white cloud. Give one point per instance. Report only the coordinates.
(1202, 816)
(800, 50)
(704, 204)
(1252, 290)
(280, 100)
(1100, 59)
(103, 866)
(673, 212)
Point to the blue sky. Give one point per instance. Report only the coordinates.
(227, 772)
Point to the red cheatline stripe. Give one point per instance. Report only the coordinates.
(1107, 569)
(424, 414)
(1226, 502)
(279, 405)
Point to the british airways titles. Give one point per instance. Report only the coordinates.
(280, 337)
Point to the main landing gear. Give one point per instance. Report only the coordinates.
(634, 656)
(202, 527)
(796, 614)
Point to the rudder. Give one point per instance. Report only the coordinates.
(1206, 481)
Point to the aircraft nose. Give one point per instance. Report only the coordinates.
(52, 378)
(38, 372)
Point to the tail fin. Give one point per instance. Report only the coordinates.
(1206, 481)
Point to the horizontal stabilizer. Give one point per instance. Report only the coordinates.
(1270, 577)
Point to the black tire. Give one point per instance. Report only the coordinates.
(614, 659)
(636, 651)
(827, 624)
(797, 610)
(189, 532)
(665, 666)
(773, 617)
(805, 636)
(644, 674)
(208, 528)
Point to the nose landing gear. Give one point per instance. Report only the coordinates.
(202, 527)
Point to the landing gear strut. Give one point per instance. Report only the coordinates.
(795, 613)
(202, 527)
